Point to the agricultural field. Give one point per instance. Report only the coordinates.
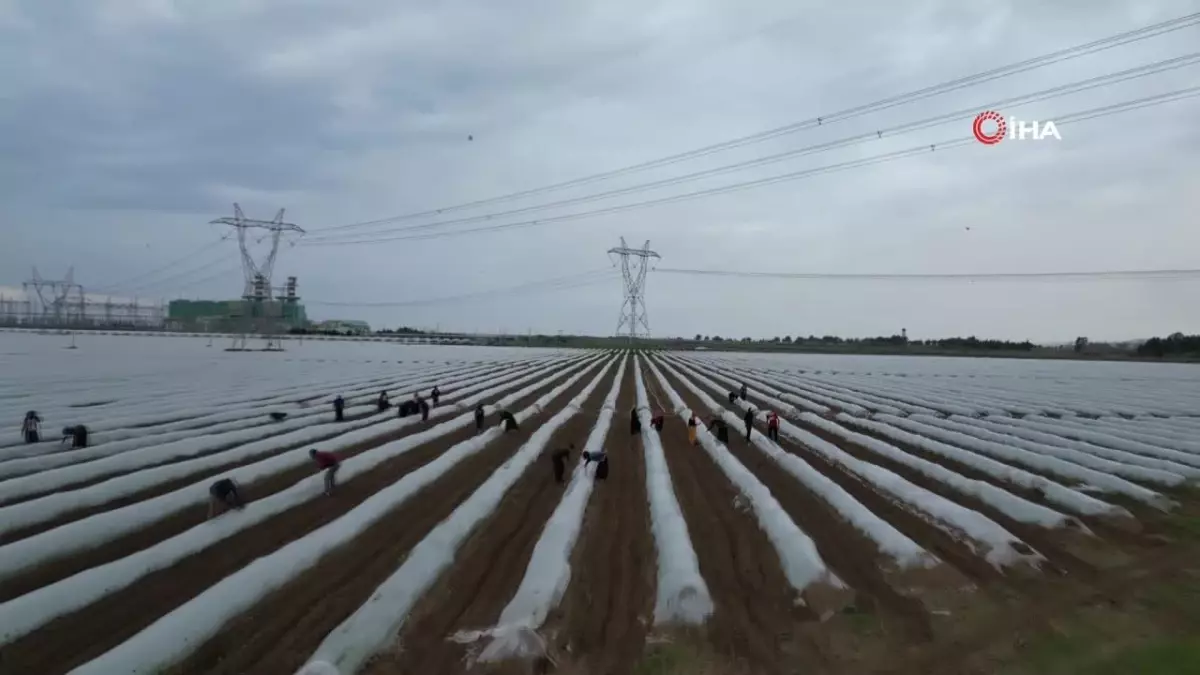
(914, 515)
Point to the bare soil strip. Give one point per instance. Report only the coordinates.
(852, 556)
(489, 567)
(608, 607)
(97, 628)
(180, 521)
(279, 634)
(757, 621)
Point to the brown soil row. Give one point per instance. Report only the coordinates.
(281, 631)
(102, 625)
(1055, 545)
(489, 567)
(756, 620)
(845, 549)
(184, 481)
(935, 540)
(174, 460)
(55, 570)
(608, 607)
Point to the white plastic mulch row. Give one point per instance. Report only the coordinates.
(373, 625)
(111, 459)
(1056, 493)
(129, 433)
(174, 636)
(22, 615)
(893, 543)
(1179, 442)
(54, 505)
(1084, 447)
(974, 529)
(1052, 426)
(1105, 482)
(681, 593)
(108, 525)
(801, 562)
(549, 570)
(1131, 471)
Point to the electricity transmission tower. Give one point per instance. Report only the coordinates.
(633, 319)
(250, 270)
(257, 288)
(59, 301)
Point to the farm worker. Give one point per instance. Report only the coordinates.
(748, 418)
(383, 401)
(732, 396)
(30, 427)
(559, 459)
(773, 426)
(435, 395)
(224, 492)
(479, 415)
(329, 462)
(601, 460)
(424, 405)
(657, 421)
(718, 427)
(743, 391)
(78, 435)
(339, 407)
(691, 424)
(510, 422)
(635, 423)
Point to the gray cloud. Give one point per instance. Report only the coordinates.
(126, 126)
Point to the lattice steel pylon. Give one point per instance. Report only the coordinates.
(250, 269)
(633, 309)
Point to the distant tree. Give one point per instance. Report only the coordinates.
(1081, 344)
(776, 339)
(787, 339)
(717, 338)
(699, 337)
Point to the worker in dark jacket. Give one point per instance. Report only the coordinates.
(718, 427)
(692, 423)
(657, 422)
(733, 397)
(743, 391)
(559, 459)
(78, 435)
(635, 422)
(748, 418)
(383, 403)
(479, 415)
(339, 408)
(423, 406)
(224, 494)
(435, 395)
(601, 459)
(510, 422)
(31, 427)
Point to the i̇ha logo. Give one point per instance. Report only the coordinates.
(990, 128)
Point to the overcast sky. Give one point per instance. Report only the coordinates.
(127, 125)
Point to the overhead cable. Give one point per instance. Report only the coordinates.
(1119, 39)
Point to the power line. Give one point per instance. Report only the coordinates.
(1146, 275)
(1080, 116)
(556, 284)
(159, 270)
(1077, 51)
(879, 134)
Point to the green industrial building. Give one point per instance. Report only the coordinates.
(235, 316)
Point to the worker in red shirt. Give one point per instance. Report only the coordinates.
(773, 426)
(330, 464)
